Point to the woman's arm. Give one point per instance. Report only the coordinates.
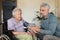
(19, 33)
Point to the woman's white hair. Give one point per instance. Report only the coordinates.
(14, 10)
(45, 5)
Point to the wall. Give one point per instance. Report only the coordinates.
(57, 3)
(29, 7)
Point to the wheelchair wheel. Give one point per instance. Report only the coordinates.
(5, 37)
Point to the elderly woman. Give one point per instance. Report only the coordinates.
(16, 24)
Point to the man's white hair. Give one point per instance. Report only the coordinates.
(14, 10)
(45, 5)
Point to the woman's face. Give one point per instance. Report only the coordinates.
(18, 15)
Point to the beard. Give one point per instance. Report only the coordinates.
(43, 15)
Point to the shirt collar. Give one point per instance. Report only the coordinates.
(48, 15)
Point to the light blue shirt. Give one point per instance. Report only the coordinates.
(57, 32)
(48, 25)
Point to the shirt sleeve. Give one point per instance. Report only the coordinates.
(51, 27)
(10, 25)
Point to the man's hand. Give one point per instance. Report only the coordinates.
(31, 29)
(35, 29)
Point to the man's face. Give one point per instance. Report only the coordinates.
(18, 15)
(44, 11)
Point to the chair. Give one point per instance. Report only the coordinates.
(8, 32)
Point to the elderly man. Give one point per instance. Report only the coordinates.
(16, 24)
(48, 23)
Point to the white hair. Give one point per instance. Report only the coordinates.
(45, 5)
(14, 10)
